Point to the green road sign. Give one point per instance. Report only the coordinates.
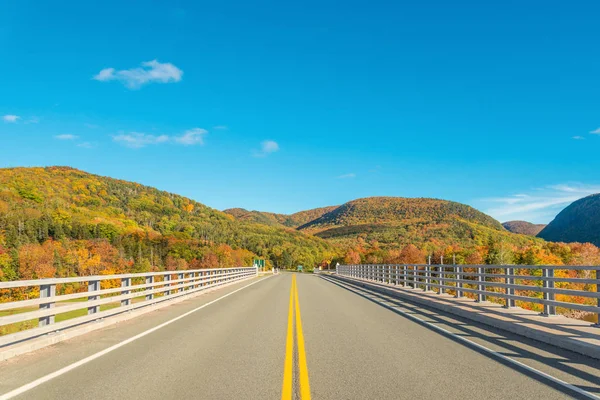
(258, 262)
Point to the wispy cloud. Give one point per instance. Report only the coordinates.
(134, 78)
(347, 176)
(33, 120)
(595, 132)
(539, 206)
(66, 136)
(91, 126)
(86, 145)
(220, 128)
(136, 140)
(267, 147)
(191, 137)
(578, 138)
(10, 118)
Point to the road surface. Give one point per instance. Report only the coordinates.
(245, 342)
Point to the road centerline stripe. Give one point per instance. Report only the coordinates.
(286, 391)
(303, 368)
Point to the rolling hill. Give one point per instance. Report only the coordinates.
(288, 220)
(143, 227)
(579, 222)
(397, 221)
(523, 227)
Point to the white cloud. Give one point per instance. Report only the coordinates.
(33, 120)
(136, 140)
(578, 137)
(86, 145)
(541, 205)
(347, 176)
(66, 137)
(267, 147)
(134, 78)
(11, 118)
(595, 131)
(191, 137)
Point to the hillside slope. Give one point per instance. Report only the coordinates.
(579, 222)
(146, 228)
(400, 221)
(288, 220)
(523, 227)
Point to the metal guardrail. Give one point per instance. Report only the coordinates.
(171, 284)
(474, 279)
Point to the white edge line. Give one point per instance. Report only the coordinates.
(64, 370)
(477, 345)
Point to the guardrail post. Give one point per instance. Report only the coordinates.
(427, 278)
(441, 279)
(458, 276)
(93, 286)
(125, 282)
(510, 291)
(597, 324)
(180, 277)
(480, 286)
(404, 275)
(149, 281)
(549, 310)
(47, 291)
(415, 274)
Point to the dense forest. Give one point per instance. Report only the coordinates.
(58, 221)
(579, 222)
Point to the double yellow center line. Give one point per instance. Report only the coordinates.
(287, 390)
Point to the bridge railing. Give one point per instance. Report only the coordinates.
(106, 295)
(508, 282)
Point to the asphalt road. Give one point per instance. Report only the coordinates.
(356, 346)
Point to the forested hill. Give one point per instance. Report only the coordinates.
(62, 221)
(579, 222)
(394, 222)
(289, 220)
(379, 210)
(523, 227)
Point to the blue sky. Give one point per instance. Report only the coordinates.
(283, 106)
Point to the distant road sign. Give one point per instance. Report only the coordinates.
(259, 262)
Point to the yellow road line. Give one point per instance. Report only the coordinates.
(304, 382)
(286, 391)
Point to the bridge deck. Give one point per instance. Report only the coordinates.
(359, 344)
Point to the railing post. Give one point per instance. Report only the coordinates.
(149, 281)
(404, 275)
(549, 310)
(47, 291)
(458, 276)
(427, 278)
(125, 282)
(597, 324)
(510, 291)
(396, 274)
(415, 274)
(180, 277)
(480, 286)
(441, 279)
(93, 286)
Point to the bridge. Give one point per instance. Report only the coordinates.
(365, 331)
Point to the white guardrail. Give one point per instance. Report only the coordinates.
(477, 280)
(132, 291)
